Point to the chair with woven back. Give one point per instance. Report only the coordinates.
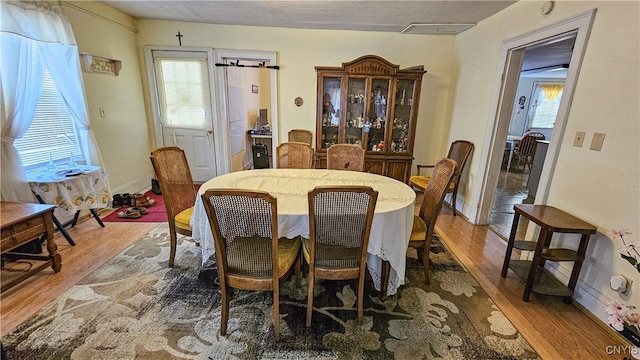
(459, 152)
(301, 135)
(526, 149)
(345, 157)
(339, 226)
(424, 223)
(178, 192)
(294, 155)
(249, 254)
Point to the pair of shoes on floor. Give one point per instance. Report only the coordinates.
(140, 200)
(132, 213)
(122, 200)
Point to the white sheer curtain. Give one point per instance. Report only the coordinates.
(34, 34)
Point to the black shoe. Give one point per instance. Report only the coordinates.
(117, 201)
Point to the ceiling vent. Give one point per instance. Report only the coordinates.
(437, 29)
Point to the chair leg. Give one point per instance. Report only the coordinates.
(360, 303)
(225, 310)
(454, 199)
(297, 268)
(310, 295)
(425, 263)
(276, 311)
(173, 244)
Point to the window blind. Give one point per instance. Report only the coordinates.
(53, 135)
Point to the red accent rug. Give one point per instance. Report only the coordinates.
(155, 213)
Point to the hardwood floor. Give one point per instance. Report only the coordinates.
(554, 329)
(94, 246)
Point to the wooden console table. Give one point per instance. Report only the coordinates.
(536, 277)
(21, 223)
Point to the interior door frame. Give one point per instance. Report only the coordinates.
(220, 126)
(511, 53)
(155, 106)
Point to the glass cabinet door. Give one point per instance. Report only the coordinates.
(402, 118)
(355, 119)
(375, 124)
(330, 111)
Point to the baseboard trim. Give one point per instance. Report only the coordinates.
(139, 185)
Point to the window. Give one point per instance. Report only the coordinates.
(53, 135)
(546, 101)
(183, 89)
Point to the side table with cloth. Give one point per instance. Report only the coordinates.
(71, 190)
(392, 220)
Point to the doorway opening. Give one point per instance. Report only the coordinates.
(512, 54)
(536, 102)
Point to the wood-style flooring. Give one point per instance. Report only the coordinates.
(554, 329)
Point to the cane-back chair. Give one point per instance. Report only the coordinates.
(425, 222)
(339, 225)
(345, 157)
(459, 152)
(249, 254)
(300, 135)
(178, 192)
(294, 155)
(526, 149)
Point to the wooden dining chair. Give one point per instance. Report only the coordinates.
(345, 157)
(294, 155)
(178, 192)
(425, 222)
(339, 225)
(459, 152)
(249, 254)
(301, 135)
(526, 149)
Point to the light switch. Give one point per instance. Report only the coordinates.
(597, 141)
(579, 139)
(102, 114)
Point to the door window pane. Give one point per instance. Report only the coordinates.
(183, 86)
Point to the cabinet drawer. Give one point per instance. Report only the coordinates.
(21, 233)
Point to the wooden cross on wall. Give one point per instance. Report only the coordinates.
(179, 36)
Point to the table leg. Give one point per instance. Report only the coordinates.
(384, 282)
(52, 248)
(512, 239)
(544, 236)
(577, 265)
(59, 226)
(75, 218)
(97, 217)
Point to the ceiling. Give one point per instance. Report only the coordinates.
(449, 17)
(413, 17)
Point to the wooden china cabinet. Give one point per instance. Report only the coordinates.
(372, 103)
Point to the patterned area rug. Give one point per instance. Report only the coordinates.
(134, 307)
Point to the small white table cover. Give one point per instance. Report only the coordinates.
(390, 230)
(89, 190)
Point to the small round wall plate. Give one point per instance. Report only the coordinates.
(298, 101)
(547, 7)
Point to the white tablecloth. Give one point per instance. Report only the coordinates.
(390, 230)
(88, 190)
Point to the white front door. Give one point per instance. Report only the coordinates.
(183, 105)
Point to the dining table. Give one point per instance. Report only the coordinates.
(71, 189)
(390, 229)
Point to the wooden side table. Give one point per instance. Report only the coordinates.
(21, 223)
(536, 277)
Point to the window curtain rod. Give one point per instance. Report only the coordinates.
(259, 65)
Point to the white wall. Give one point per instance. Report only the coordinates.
(123, 135)
(599, 187)
(298, 51)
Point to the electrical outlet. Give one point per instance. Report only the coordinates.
(579, 139)
(597, 141)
